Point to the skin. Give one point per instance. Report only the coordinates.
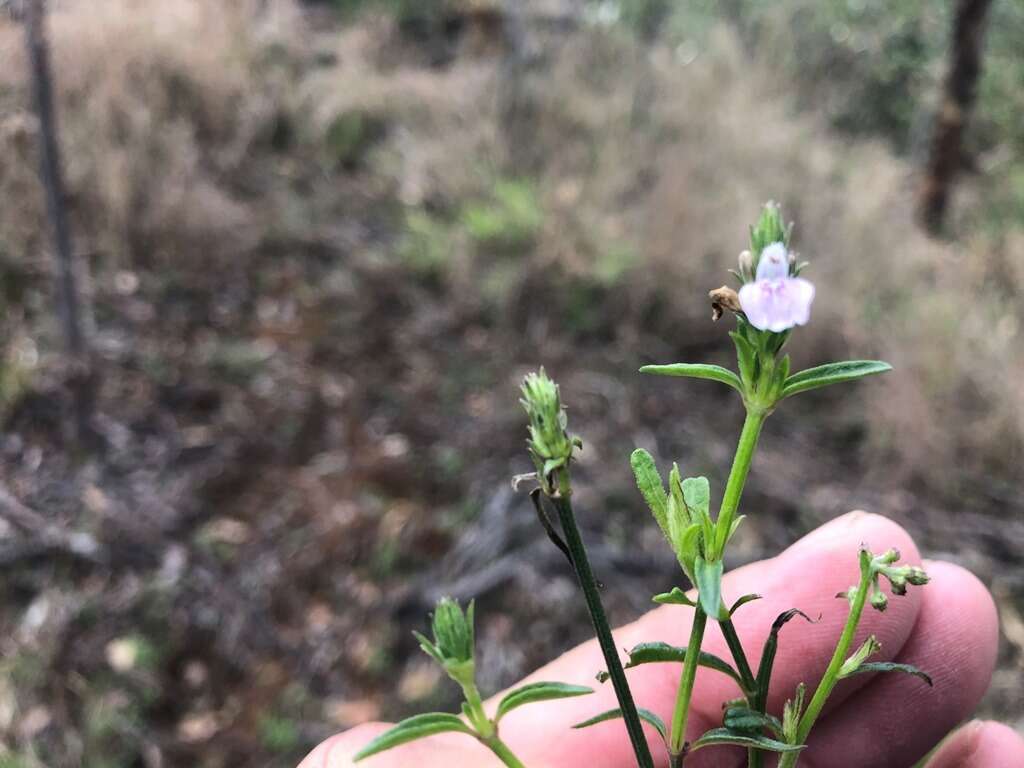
(948, 628)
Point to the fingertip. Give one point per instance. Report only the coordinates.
(981, 744)
(856, 528)
(339, 749)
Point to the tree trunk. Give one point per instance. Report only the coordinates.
(958, 95)
(51, 175)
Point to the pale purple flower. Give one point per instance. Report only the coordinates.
(775, 301)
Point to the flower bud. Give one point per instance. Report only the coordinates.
(917, 576)
(453, 630)
(453, 642)
(746, 261)
(889, 557)
(769, 229)
(879, 601)
(549, 444)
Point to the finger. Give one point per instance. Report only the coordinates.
(441, 751)
(897, 719)
(981, 745)
(808, 575)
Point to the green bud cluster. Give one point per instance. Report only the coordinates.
(898, 576)
(768, 229)
(550, 445)
(454, 640)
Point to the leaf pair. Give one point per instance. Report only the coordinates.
(747, 359)
(716, 736)
(659, 652)
(431, 723)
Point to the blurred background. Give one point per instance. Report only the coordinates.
(316, 245)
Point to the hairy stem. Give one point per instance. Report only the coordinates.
(499, 748)
(737, 478)
(476, 713)
(601, 628)
(685, 692)
(828, 682)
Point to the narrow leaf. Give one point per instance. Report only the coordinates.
(697, 371)
(771, 646)
(532, 692)
(649, 482)
(746, 719)
(645, 714)
(675, 597)
(742, 601)
(417, 727)
(891, 666)
(709, 585)
(657, 652)
(549, 527)
(832, 373)
(739, 738)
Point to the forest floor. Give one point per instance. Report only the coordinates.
(303, 449)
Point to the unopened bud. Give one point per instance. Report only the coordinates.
(452, 646)
(746, 261)
(917, 576)
(549, 443)
(889, 557)
(879, 601)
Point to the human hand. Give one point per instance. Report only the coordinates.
(871, 721)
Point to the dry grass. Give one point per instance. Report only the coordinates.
(649, 169)
(162, 107)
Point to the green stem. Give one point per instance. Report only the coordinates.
(740, 657)
(828, 682)
(685, 692)
(737, 477)
(755, 697)
(499, 748)
(601, 628)
(476, 713)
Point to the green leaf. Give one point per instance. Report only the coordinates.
(742, 601)
(747, 719)
(832, 373)
(739, 738)
(858, 657)
(697, 495)
(733, 528)
(709, 585)
(645, 714)
(657, 652)
(674, 597)
(771, 646)
(891, 666)
(689, 548)
(648, 480)
(697, 371)
(428, 647)
(532, 692)
(779, 377)
(746, 356)
(417, 727)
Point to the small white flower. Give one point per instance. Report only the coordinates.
(775, 301)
